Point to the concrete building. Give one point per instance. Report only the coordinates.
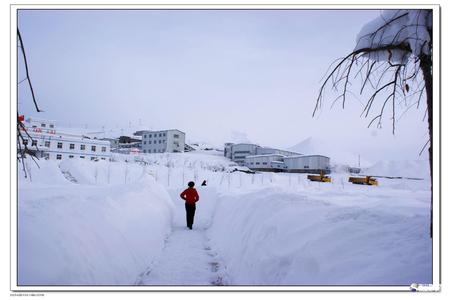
(307, 164)
(172, 140)
(268, 150)
(267, 162)
(238, 152)
(49, 142)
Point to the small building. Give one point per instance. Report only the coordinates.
(267, 162)
(172, 140)
(307, 164)
(49, 142)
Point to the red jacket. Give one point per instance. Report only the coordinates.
(190, 195)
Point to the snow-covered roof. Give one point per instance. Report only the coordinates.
(265, 155)
(306, 155)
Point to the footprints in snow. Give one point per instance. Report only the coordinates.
(216, 268)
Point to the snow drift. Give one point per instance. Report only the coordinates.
(273, 237)
(86, 234)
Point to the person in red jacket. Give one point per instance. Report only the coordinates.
(191, 196)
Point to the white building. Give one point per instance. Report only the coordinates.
(307, 164)
(238, 152)
(172, 140)
(267, 162)
(49, 142)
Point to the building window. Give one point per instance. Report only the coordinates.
(149, 142)
(92, 149)
(59, 146)
(149, 135)
(145, 143)
(47, 144)
(103, 149)
(264, 163)
(52, 126)
(82, 156)
(175, 136)
(33, 143)
(103, 158)
(82, 147)
(145, 136)
(257, 163)
(160, 135)
(43, 125)
(72, 146)
(306, 167)
(46, 155)
(159, 141)
(58, 156)
(164, 134)
(164, 141)
(70, 156)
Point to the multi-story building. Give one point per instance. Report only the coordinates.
(172, 140)
(47, 141)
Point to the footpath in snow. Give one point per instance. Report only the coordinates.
(187, 258)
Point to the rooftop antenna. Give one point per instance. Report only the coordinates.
(359, 161)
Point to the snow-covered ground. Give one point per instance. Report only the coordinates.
(122, 222)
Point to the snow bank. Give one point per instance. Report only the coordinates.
(407, 168)
(77, 234)
(271, 237)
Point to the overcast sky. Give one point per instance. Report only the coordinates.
(208, 73)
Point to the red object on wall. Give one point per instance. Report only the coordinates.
(21, 118)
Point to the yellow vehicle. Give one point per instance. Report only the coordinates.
(320, 178)
(368, 180)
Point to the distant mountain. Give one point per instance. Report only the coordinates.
(238, 137)
(406, 168)
(336, 153)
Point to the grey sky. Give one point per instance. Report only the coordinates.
(206, 72)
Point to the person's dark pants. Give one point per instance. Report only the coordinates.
(190, 212)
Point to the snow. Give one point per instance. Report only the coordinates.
(82, 234)
(395, 27)
(337, 155)
(280, 238)
(122, 222)
(408, 168)
(187, 258)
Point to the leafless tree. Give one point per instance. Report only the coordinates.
(393, 62)
(22, 134)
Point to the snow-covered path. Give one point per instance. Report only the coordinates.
(187, 259)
